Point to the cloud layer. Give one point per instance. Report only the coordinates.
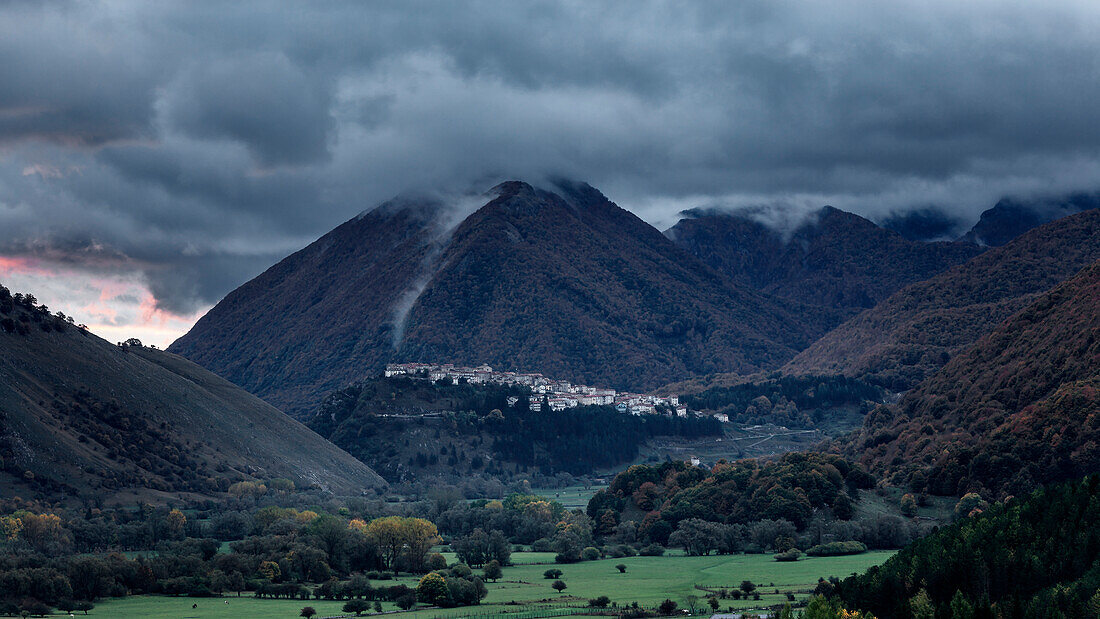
(187, 146)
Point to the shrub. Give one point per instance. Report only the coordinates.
(590, 554)
(652, 550)
(789, 555)
(601, 602)
(621, 550)
(667, 607)
(552, 574)
(356, 606)
(307, 612)
(542, 545)
(835, 549)
(621, 567)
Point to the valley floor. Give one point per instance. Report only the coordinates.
(648, 581)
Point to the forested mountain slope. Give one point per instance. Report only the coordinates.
(1019, 408)
(907, 337)
(560, 281)
(834, 259)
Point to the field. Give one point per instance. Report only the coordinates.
(648, 580)
(572, 497)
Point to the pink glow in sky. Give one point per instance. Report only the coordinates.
(115, 306)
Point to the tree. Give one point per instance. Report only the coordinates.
(558, 586)
(472, 549)
(970, 503)
(499, 548)
(747, 586)
(696, 536)
(356, 606)
(667, 607)
(621, 567)
(307, 612)
(493, 571)
(31, 606)
(601, 602)
(270, 570)
(174, 523)
(961, 608)
(568, 546)
(377, 606)
(407, 601)
(236, 582)
(692, 603)
(713, 602)
(921, 607)
(552, 573)
(84, 606)
(407, 540)
(435, 562)
(908, 505)
(432, 589)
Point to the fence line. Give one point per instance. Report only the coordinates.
(524, 614)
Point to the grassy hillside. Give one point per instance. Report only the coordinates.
(80, 416)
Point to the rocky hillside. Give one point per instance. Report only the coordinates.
(917, 330)
(834, 259)
(1011, 217)
(558, 280)
(1019, 408)
(80, 416)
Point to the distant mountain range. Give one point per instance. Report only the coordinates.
(81, 417)
(902, 340)
(561, 280)
(837, 260)
(557, 280)
(1009, 218)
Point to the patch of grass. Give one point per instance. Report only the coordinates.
(648, 581)
(572, 497)
(887, 502)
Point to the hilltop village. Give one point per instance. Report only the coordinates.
(558, 394)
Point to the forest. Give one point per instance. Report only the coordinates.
(792, 401)
(399, 424)
(1034, 556)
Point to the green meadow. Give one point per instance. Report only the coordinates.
(647, 580)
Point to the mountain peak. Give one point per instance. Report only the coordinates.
(551, 277)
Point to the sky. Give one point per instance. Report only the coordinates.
(155, 156)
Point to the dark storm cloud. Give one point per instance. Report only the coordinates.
(197, 143)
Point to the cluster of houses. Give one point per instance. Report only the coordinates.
(558, 394)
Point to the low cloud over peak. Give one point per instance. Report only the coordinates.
(202, 141)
